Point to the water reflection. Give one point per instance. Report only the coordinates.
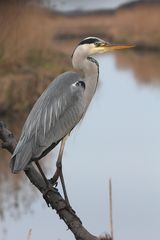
(144, 64)
(15, 195)
(79, 5)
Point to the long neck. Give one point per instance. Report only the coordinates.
(88, 68)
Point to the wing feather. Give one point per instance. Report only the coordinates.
(55, 113)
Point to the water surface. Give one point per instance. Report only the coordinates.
(84, 5)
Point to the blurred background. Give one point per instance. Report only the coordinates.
(119, 137)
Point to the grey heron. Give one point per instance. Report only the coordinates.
(61, 106)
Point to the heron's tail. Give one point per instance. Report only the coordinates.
(20, 159)
(12, 163)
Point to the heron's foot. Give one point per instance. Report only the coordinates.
(52, 182)
(46, 191)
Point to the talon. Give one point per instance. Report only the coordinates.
(52, 182)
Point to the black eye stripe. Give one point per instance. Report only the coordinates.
(88, 41)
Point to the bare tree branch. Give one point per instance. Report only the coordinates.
(52, 197)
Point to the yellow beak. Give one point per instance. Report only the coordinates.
(107, 47)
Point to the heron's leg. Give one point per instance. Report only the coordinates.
(48, 185)
(56, 175)
(42, 173)
(59, 172)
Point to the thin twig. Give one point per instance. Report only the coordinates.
(110, 208)
(29, 236)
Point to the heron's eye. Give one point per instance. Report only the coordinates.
(97, 44)
(79, 84)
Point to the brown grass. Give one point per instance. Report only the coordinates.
(24, 27)
(32, 37)
(23, 82)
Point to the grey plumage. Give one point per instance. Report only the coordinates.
(62, 104)
(53, 116)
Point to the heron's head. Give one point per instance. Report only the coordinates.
(94, 45)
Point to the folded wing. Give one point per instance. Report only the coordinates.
(54, 115)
